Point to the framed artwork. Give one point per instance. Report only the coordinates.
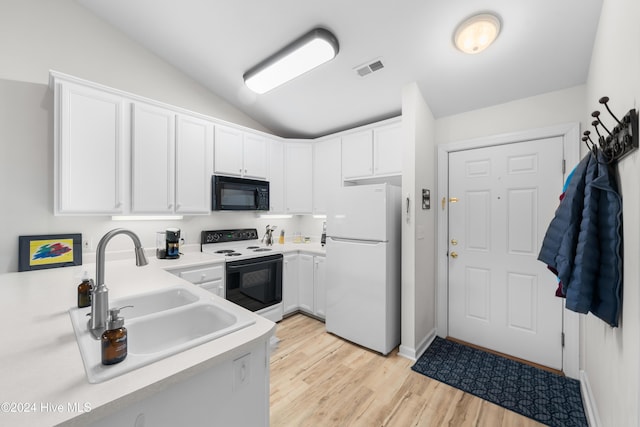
(49, 251)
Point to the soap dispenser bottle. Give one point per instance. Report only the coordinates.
(114, 339)
(84, 291)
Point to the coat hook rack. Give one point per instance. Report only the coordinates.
(616, 143)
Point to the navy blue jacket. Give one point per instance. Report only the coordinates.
(583, 244)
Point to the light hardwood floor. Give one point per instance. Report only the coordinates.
(320, 380)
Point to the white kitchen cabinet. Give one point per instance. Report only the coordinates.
(373, 152)
(357, 154)
(239, 153)
(387, 149)
(305, 283)
(276, 176)
(311, 284)
(298, 175)
(209, 277)
(326, 173)
(152, 159)
(319, 286)
(290, 293)
(89, 131)
(194, 165)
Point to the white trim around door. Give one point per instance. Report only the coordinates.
(570, 133)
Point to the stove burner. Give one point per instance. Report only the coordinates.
(233, 253)
(225, 251)
(261, 249)
(253, 247)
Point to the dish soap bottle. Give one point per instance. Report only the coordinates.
(84, 291)
(281, 239)
(114, 339)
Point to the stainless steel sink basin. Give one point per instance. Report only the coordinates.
(154, 302)
(161, 323)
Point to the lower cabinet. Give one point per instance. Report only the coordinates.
(209, 277)
(310, 287)
(290, 302)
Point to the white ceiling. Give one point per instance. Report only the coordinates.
(545, 45)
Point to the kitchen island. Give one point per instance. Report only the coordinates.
(43, 377)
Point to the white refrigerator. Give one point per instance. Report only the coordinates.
(363, 266)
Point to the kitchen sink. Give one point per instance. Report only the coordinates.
(153, 302)
(179, 328)
(160, 324)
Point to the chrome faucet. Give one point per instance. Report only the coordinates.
(100, 295)
(268, 235)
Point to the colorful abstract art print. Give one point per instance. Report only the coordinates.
(49, 251)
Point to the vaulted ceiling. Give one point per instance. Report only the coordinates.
(544, 45)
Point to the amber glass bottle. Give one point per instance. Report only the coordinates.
(114, 339)
(84, 291)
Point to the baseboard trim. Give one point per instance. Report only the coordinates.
(414, 353)
(588, 401)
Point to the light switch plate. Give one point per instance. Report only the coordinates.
(426, 199)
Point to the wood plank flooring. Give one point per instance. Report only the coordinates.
(320, 380)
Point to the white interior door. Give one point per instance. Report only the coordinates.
(500, 296)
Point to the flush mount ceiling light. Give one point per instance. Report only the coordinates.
(477, 33)
(304, 54)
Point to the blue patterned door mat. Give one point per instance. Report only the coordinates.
(546, 397)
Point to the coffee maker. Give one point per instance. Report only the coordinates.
(168, 244)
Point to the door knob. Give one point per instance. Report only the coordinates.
(454, 254)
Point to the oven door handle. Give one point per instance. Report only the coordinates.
(249, 264)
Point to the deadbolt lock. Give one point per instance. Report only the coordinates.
(453, 200)
(454, 242)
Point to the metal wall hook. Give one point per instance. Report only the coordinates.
(604, 101)
(596, 114)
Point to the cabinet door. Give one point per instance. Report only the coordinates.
(357, 155)
(305, 282)
(387, 149)
(194, 158)
(88, 151)
(327, 177)
(228, 151)
(290, 284)
(276, 177)
(254, 157)
(298, 166)
(319, 286)
(152, 159)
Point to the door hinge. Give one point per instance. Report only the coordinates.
(564, 166)
(562, 339)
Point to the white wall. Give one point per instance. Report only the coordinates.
(418, 225)
(611, 356)
(38, 35)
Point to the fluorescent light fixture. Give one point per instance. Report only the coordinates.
(145, 217)
(477, 33)
(319, 216)
(275, 216)
(304, 54)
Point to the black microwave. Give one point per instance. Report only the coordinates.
(239, 194)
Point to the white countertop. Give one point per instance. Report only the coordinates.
(41, 369)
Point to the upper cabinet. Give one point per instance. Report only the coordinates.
(239, 153)
(375, 152)
(194, 165)
(326, 173)
(276, 176)
(152, 159)
(298, 175)
(89, 130)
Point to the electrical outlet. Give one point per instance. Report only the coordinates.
(86, 245)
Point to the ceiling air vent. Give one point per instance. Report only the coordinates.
(370, 67)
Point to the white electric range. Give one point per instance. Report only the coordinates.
(253, 271)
